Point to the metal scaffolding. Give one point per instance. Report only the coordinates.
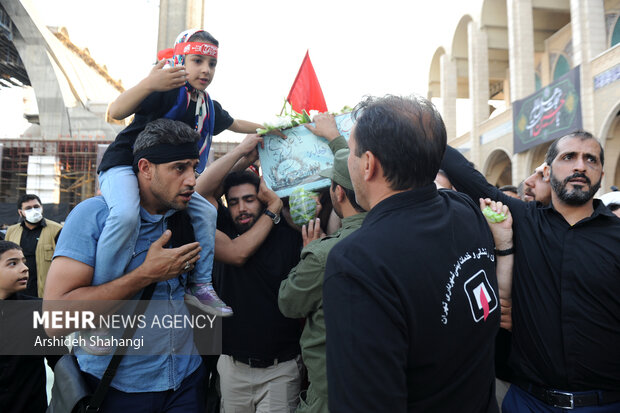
(77, 163)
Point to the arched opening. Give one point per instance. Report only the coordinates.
(610, 138)
(615, 35)
(434, 74)
(498, 168)
(460, 57)
(494, 20)
(460, 54)
(612, 154)
(538, 156)
(616, 180)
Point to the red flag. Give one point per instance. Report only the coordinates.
(306, 92)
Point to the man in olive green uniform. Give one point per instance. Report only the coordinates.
(302, 292)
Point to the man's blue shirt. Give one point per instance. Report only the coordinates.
(78, 240)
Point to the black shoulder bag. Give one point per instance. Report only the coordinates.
(70, 392)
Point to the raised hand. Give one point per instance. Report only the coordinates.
(312, 231)
(325, 126)
(249, 143)
(502, 231)
(165, 263)
(162, 79)
(268, 197)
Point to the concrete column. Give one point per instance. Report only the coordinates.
(521, 48)
(32, 48)
(589, 40)
(478, 84)
(545, 67)
(448, 94)
(520, 169)
(176, 16)
(507, 99)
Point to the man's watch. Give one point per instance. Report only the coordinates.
(274, 217)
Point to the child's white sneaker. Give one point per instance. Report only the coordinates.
(204, 297)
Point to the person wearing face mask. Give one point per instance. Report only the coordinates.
(37, 237)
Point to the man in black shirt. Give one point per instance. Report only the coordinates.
(258, 368)
(411, 298)
(566, 283)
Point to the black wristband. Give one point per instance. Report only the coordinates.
(503, 253)
(274, 217)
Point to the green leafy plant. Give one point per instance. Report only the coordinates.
(288, 118)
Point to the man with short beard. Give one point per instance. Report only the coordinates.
(566, 283)
(258, 366)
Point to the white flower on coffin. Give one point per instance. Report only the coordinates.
(279, 122)
(283, 122)
(288, 119)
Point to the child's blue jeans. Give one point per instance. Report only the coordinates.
(117, 242)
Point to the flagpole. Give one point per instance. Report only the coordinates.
(283, 107)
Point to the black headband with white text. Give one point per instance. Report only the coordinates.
(167, 152)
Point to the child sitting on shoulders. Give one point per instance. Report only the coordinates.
(178, 93)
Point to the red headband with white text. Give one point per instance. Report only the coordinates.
(201, 48)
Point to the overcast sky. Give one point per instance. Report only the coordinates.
(357, 48)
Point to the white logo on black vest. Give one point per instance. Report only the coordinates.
(481, 296)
